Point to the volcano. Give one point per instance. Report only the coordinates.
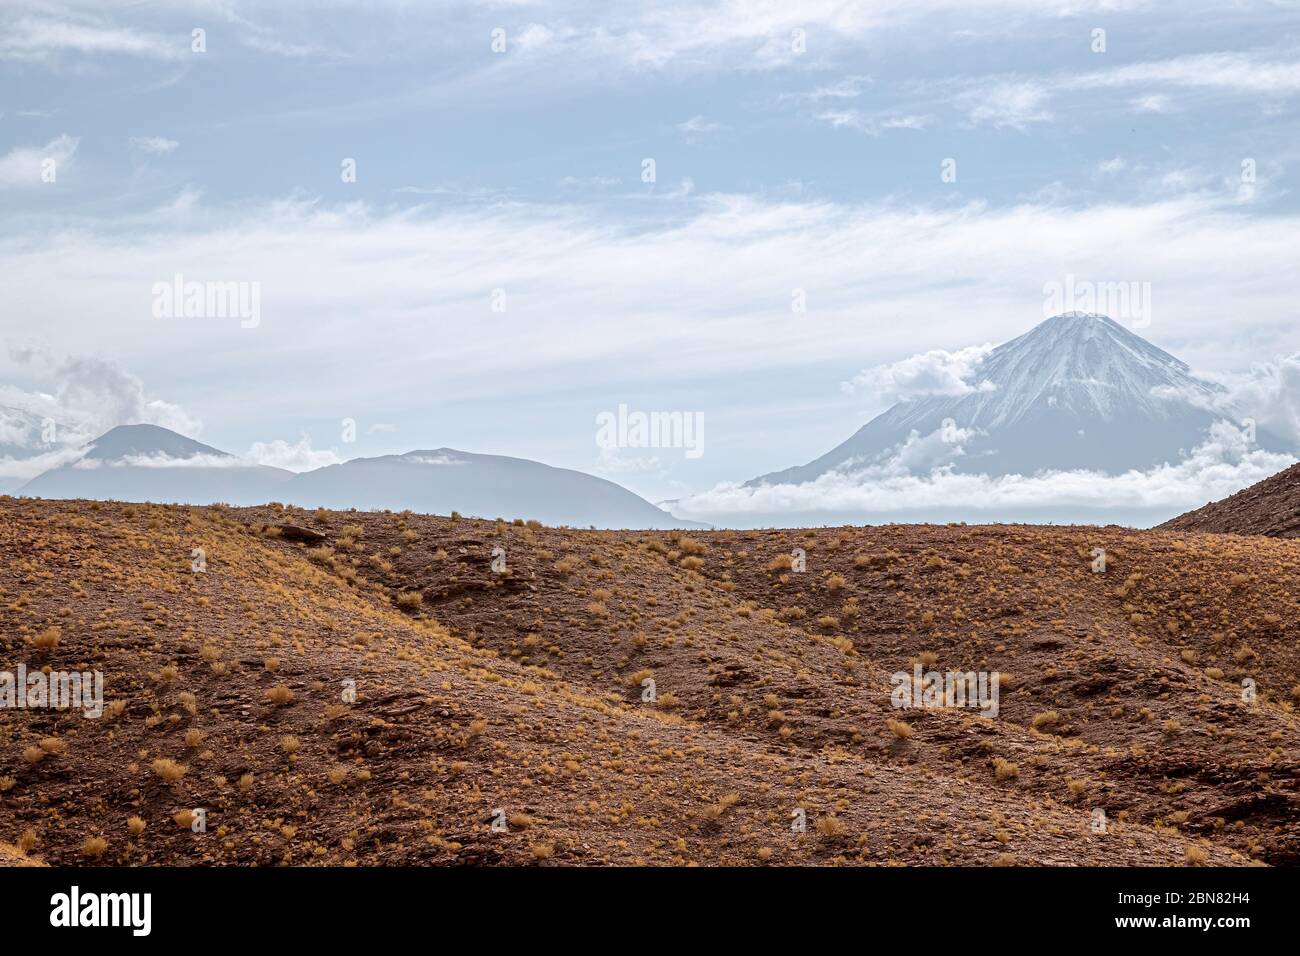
(1077, 392)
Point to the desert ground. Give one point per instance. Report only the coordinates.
(499, 670)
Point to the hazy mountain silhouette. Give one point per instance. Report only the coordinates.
(487, 486)
(149, 463)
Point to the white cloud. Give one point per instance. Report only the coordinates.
(595, 182)
(906, 122)
(1235, 71)
(1182, 180)
(937, 372)
(158, 145)
(17, 469)
(1013, 104)
(848, 88)
(178, 210)
(84, 397)
(1268, 393)
(264, 43)
(438, 461)
(583, 39)
(1151, 103)
(923, 454)
(1272, 396)
(757, 33)
(103, 395)
(41, 38)
(617, 461)
(23, 166)
(1018, 101)
(873, 124)
(533, 36)
(161, 460)
(296, 456)
(1220, 466)
(697, 127)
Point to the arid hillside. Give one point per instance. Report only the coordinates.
(1270, 507)
(500, 671)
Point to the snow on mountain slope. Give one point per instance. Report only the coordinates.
(1077, 392)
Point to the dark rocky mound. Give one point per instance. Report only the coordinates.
(1270, 507)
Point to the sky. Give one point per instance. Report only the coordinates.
(483, 226)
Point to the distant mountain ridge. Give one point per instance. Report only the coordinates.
(150, 463)
(489, 486)
(1077, 393)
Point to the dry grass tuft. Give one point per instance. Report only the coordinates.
(169, 770)
(900, 729)
(1004, 769)
(280, 695)
(830, 826)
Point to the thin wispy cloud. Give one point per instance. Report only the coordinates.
(156, 145)
(873, 125)
(1238, 72)
(1013, 104)
(698, 127)
(45, 38)
(847, 88)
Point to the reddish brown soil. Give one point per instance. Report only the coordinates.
(521, 691)
(1270, 507)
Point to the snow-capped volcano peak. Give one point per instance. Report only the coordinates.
(1081, 363)
(1090, 343)
(1077, 391)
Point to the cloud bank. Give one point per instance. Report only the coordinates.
(1223, 464)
